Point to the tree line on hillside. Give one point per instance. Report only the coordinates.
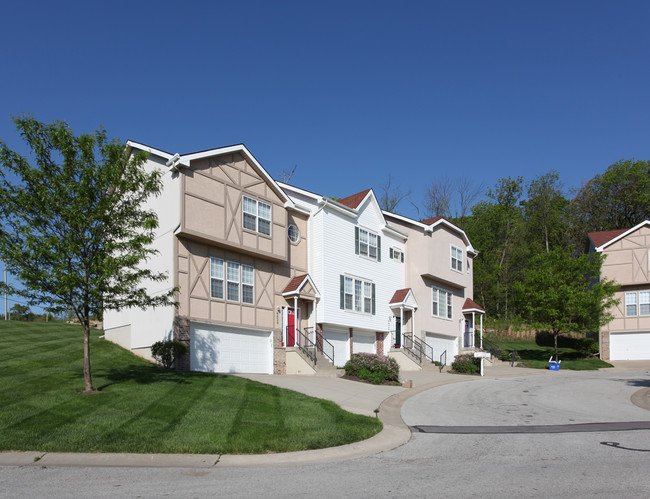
(524, 229)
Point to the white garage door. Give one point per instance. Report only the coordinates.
(220, 349)
(629, 346)
(442, 343)
(363, 342)
(340, 340)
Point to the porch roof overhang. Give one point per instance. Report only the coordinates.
(436, 278)
(471, 306)
(297, 285)
(403, 298)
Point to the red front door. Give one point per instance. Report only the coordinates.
(291, 327)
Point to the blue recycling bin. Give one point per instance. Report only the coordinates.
(554, 366)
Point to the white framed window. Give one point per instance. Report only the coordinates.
(349, 293)
(238, 278)
(644, 302)
(396, 254)
(247, 284)
(367, 244)
(630, 304)
(232, 281)
(256, 216)
(357, 295)
(293, 232)
(216, 278)
(441, 303)
(456, 258)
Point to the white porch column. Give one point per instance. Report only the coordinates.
(474, 329)
(481, 331)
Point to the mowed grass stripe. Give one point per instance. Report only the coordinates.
(144, 408)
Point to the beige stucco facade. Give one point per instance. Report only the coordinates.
(627, 263)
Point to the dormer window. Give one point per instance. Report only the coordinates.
(257, 216)
(367, 244)
(456, 259)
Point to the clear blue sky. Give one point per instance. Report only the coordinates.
(347, 91)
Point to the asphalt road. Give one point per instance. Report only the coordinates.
(530, 464)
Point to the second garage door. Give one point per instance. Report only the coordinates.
(629, 346)
(442, 343)
(363, 342)
(220, 349)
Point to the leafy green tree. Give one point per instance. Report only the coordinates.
(495, 229)
(20, 312)
(74, 228)
(617, 199)
(545, 213)
(560, 293)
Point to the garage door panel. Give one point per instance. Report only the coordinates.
(224, 350)
(363, 343)
(629, 346)
(440, 344)
(340, 340)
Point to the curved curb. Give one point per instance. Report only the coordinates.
(641, 398)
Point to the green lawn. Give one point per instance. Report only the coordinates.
(536, 356)
(142, 408)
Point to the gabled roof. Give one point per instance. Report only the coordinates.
(471, 306)
(355, 200)
(295, 285)
(175, 161)
(429, 224)
(403, 297)
(605, 238)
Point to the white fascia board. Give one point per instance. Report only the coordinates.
(394, 232)
(477, 310)
(300, 191)
(150, 150)
(600, 248)
(297, 290)
(404, 219)
(299, 208)
(241, 148)
(338, 207)
(455, 228)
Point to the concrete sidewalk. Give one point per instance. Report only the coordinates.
(353, 396)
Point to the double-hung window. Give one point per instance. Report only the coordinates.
(441, 301)
(456, 259)
(239, 281)
(367, 244)
(257, 216)
(357, 295)
(216, 278)
(630, 304)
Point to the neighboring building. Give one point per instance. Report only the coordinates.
(627, 262)
(269, 275)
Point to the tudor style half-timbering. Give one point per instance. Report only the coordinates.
(231, 241)
(627, 262)
(275, 279)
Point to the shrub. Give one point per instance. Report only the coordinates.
(466, 363)
(377, 369)
(166, 352)
(588, 347)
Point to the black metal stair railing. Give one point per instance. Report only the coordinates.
(305, 345)
(322, 345)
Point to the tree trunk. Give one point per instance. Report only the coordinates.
(88, 382)
(555, 335)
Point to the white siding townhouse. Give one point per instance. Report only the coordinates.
(279, 280)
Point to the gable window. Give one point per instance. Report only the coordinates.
(257, 216)
(367, 244)
(396, 254)
(441, 303)
(238, 278)
(630, 304)
(357, 295)
(456, 259)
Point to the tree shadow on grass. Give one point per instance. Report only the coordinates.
(148, 374)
